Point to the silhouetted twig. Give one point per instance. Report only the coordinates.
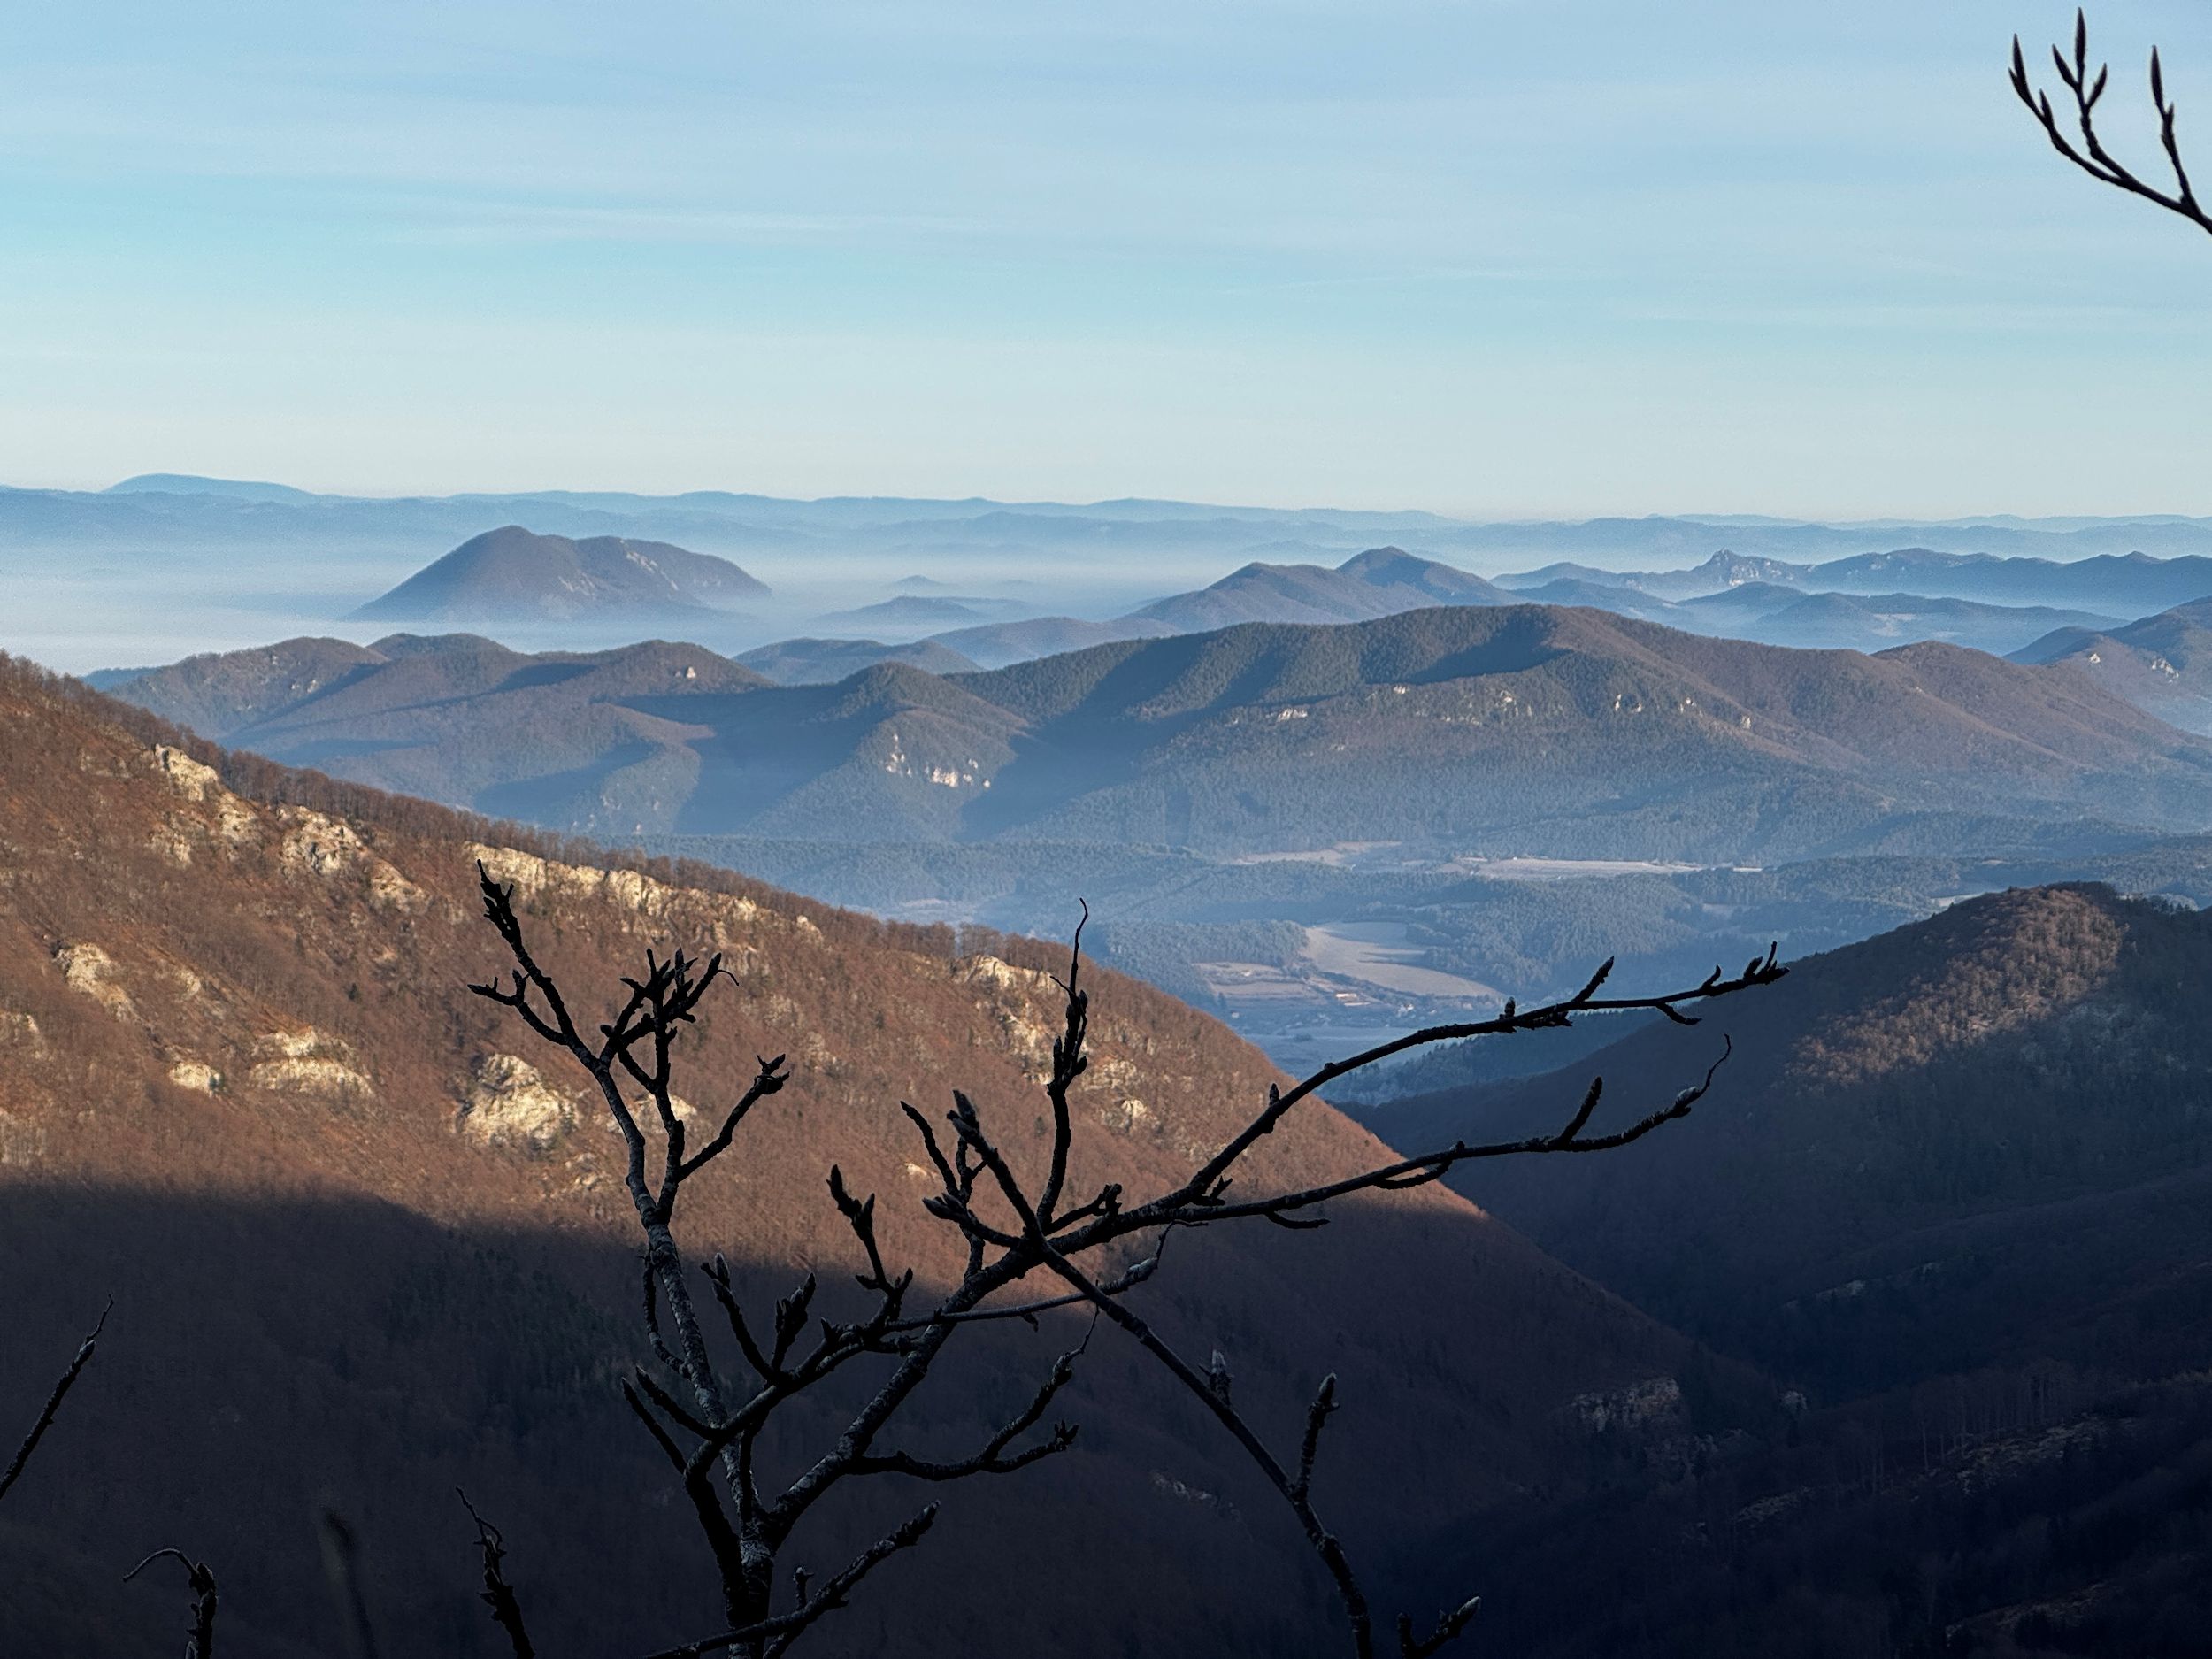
(201, 1582)
(497, 1594)
(66, 1381)
(2088, 152)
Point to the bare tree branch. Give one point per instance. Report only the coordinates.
(1551, 1016)
(1068, 1064)
(770, 1078)
(498, 1595)
(1213, 1393)
(790, 1315)
(1448, 1629)
(1430, 1166)
(992, 1460)
(708, 1428)
(201, 1582)
(1318, 1415)
(2088, 152)
(774, 1636)
(62, 1386)
(744, 1529)
(1199, 1202)
(1129, 1279)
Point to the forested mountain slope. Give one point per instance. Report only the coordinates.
(2161, 663)
(1977, 1143)
(365, 1242)
(1496, 729)
(1564, 731)
(2104, 581)
(826, 662)
(568, 739)
(997, 644)
(1378, 582)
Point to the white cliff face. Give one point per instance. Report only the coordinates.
(1653, 1405)
(187, 776)
(308, 1062)
(88, 969)
(21, 1032)
(510, 1105)
(195, 1075)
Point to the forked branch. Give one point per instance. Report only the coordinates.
(773, 1637)
(1056, 1244)
(708, 1428)
(2085, 147)
(993, 1459)
(200, 1644)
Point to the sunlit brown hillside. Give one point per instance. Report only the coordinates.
(365, 1243)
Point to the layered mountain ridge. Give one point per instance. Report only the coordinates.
(1569, 732)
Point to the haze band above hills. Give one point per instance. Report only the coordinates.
(1996, 583)
(173, 511)
(514, 578)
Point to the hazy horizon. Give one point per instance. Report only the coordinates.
(1717, 517)
(1501, 262)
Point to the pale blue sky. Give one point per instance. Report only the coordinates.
(1503, 259)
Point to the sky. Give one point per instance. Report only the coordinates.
(1500, 258)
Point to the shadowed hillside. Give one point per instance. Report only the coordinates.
(1957, 1194)
(1978, 1141)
